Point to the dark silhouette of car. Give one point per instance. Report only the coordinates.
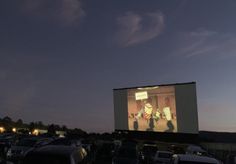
(126, 155)
(147, 153)
(25, 145)
(66, 142)
(56, 154)
(104, 153)
(163, 157)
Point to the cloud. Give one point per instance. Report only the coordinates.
(72, 11)
(205, 42)
(138, 28)
(68, 12)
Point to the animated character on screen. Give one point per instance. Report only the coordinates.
(168, 115)
(156, 115)
(151, 115)
(145, 111)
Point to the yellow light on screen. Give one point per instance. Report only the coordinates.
(148, 88)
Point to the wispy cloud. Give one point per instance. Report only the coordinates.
(204, 42)
(68, 12)
(138, 28)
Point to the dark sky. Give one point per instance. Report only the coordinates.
(60, 59)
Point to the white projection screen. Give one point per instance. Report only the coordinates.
(160, 108)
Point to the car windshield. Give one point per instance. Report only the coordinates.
(27, 142)
(46, 159)
(165, 155)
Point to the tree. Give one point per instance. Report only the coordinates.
(7, 123)
(19, 123)
(76, 133)
(51, 129)
(64, 128)
(40, 125)
(31, 126)
(7, 119)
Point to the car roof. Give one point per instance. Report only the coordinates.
(161, 151)
(195, 148)
(149, 145)
(55, 150)
(191, 157)
(67, 140)
(32, 138)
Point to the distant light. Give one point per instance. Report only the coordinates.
(14, 130)
(35, 132)
(2, 129)
(61, 136)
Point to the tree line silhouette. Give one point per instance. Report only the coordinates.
(23, 127)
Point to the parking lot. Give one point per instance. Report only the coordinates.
(25, 149)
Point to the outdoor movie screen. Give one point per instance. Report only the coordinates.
(152, 109)
(160, 108)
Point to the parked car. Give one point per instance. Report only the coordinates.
(6, 141)
(177, 149)
(231, 159)
(66, 142)
(193, 159)
(104, 153)
(25, 145)
(163, 157)
(126, 155)
(147, 153)
(56, 154)
(197, 150)
(5, 144)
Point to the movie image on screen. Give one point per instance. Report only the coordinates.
(152, 109)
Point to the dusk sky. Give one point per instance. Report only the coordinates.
(61, 59)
